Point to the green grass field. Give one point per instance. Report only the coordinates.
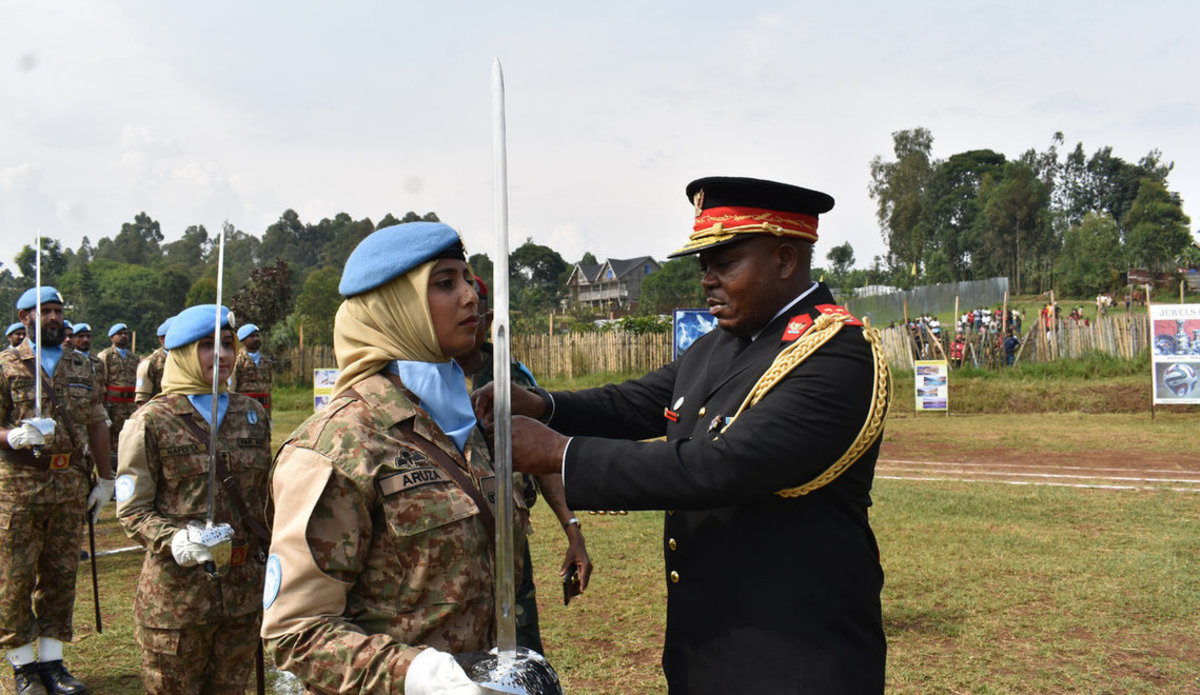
(989, 588)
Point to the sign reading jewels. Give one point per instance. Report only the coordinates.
(1175, 335)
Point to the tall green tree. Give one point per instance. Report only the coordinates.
(295, 242)
(674, 286)
(138, 242)
(1156, 228)
(190, 251)
(317, 305)
(901, 191)
(1013, 227)
(343, 234)
(1104, 183)
(537, 274)
(954, 207)
(54, 262)
(1091, 259)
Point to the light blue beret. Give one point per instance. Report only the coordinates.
(15, 327)
(392, 251)
(246, 330)
(82, 328)
(68, 326)
(194, 323)
(116, 327)
(164, 327)
(29, 299)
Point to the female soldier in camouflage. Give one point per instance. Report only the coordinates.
(380, 561)
(198, 633)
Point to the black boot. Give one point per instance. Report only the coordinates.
(28, 681)
(58, 681)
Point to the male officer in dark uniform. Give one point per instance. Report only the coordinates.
(772, 428)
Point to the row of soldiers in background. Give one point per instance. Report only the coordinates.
(129, 382)
(46, 469)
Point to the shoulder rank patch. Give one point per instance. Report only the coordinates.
(252, 417)
(407, 480)
(839, 312)
(797, 326)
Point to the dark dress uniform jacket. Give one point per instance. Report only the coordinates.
(766, 594)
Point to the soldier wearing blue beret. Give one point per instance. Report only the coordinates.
(253, 372)
(395, 455)
(150, 368)
(81, 340)
(45, 490)
(772, 426)
(15, 334)
(120, 380)
(198, 632)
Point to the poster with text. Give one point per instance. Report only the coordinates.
(690, 324)
(1175, 357)
(323, 381)
(933, 385)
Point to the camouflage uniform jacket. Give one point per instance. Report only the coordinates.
(254, 380)
(120, 376)
(149, 376)
(375, 551)
(75, 385)
(162, 483)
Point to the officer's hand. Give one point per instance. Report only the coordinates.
(437, 673)
(100, 496)
(524, 402)
(536, 449)
(25, 436)
(188, 553)
(577, 554)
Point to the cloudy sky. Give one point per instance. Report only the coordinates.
(201, 112)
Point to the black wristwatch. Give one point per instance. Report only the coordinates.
(547, 400)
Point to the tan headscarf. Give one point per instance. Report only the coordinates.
(182, 373)
(390, 322)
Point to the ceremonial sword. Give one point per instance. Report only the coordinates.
(46, 428)
(218, 538)
(506, 669)
(506, 626)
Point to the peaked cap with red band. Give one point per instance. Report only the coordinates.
(728, 208)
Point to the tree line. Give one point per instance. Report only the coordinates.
(284, 280)
(1050, 219)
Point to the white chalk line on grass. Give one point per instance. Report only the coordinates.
(1042, 483)
(1024, 465)
(1186, 481)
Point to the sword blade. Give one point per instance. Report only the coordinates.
(37, 330)
(216, 370)
(506, 626)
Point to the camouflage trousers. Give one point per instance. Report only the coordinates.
(39, 556)
(118, 413)
(199, 660)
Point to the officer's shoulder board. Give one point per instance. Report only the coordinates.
(798, 325)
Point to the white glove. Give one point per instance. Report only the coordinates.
(100, 496)
(25, 436)
(188, 553)
(437, 673)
